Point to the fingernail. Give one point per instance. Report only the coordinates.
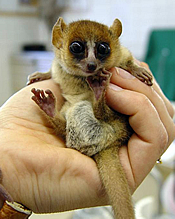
(124, 74)
(115, 87)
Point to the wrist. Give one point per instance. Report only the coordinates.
(10, 209)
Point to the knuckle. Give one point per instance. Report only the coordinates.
(172, 135)
(143, 100)
(166, 137)
(163, 140)
(160, 143)
(171, 110)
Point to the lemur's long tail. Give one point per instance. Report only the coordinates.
(115, 183)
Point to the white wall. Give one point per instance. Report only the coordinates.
(14, 32)
(138, 18)
(12, 36)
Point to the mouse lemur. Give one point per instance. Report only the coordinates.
(84, 52)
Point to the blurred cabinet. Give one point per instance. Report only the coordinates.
(25, 63)
(161, 59)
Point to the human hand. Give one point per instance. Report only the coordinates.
(150, 115)
(38, 171)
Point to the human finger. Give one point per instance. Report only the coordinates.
(143, 116)
(158, 90)
(123, 79)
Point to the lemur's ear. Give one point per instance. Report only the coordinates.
(57, 32)
(116, 27)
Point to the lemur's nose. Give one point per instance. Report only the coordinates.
(91, 66)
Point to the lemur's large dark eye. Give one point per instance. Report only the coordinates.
(103, 50)
(77, 47)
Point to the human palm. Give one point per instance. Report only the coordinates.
(38, 170)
